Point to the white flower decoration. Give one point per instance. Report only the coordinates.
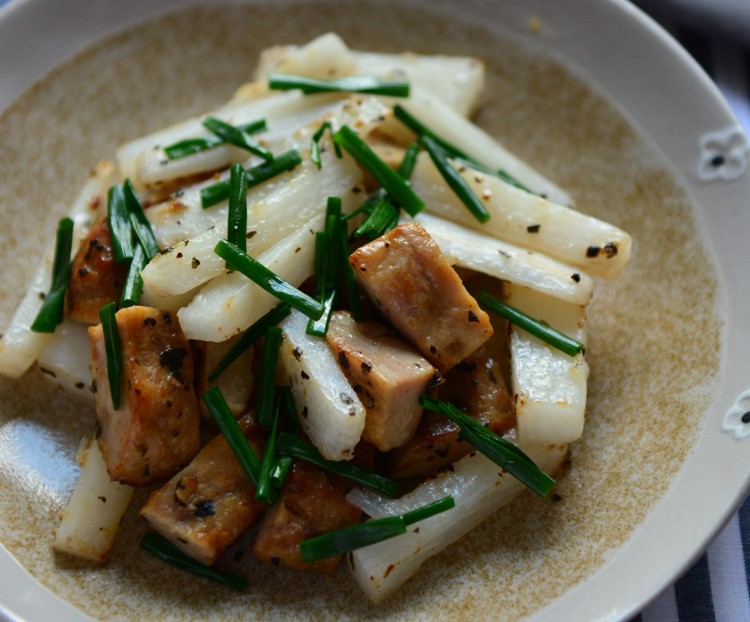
(737, 418)
(724, 154)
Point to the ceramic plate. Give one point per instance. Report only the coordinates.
(590, 92)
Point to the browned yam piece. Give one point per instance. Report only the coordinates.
(205, 507)
(476, 386)
(413, 284)
(235, 383)
(310, 504)
(155, 432)
(96, 279)
(387, 374)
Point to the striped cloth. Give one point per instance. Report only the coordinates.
(717, 587)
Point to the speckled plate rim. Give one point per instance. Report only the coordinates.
(618, 50)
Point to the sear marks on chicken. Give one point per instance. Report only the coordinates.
(96, 279)
(412, 283)
(311, 503)
(477, 387)
(387, 374)
(211, 502)
(155, 432)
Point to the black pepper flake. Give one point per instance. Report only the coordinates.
(304, 375)
(48, 372)
(718, 160)
(194, 263)
(555, 497)
(102, 498)
(94, 386)
(250, 234)
(473, 316)
(346, 399)
(533, 228)
(745, 417)
(304, 412)
(149, 321)
(297, 353)
(179, 255)
(172, 359)
(343, 361)
(593, 251)
(357, 388)
(79, 385)
(205, 508)
(42, 295)
(443, 453)
(433, 349)
(576, 277)
(297, 250)
(83, 271)
(366, 367)
(167, 317)
(610, 249)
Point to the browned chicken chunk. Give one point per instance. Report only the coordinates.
(96, 279)
(477, 387)
(407, 276)
(311, 503)
(155, 432)
(211, 502)
(387, 374)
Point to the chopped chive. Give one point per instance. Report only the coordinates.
(251, 335)
(353, 84)
(457, 183)
(340, 541)
(131, 292)
(237, 216)
(501, 451)
(535, 327)
(280, 470)
(453, 152)
(315, 148)
(327, 267)
(383, 216)
(236, 136)
(232, 432)
(429, 510)
(266, 279)
(53, 308)
(194, 145)
(267, 377)
(376, 530)
(389, 179)
(288, 409)
(138, 221)
(408, 161)
(120, 227)
(169, 553)
(319, 327)
(218, 192)
(350, 284)
(292, 446)
(107, 315)
(265, 490)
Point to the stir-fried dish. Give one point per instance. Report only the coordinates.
(333, 311)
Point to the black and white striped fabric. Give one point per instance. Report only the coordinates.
(717, 587)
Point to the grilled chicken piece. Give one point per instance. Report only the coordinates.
(311, 503)
(205, 507)
(96, 279)
(386, 373)
(235, 382)
(155, 432)
(407, 276)
(477, 387)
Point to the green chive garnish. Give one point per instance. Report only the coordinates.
(236, 136)
(352, 84)
(389, 179)
(457, 183)
(453, 152)
(408, 161)
(113, 350)
(237, 215)
(340, 541)
(265, 491)
(292, 446)
(288, 409)
(138, 221)
(327, 267)
(382, 216)
(251, 335)
(194, 145)
(535, 327)
(53, 308)
(266, 279)
(131, 293)
(120, 227)
(315, 148)
(232, 432)
(218, 192)
(267, 376)
(169, 553)
(501, 451)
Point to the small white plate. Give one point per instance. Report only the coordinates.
(591, 92)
